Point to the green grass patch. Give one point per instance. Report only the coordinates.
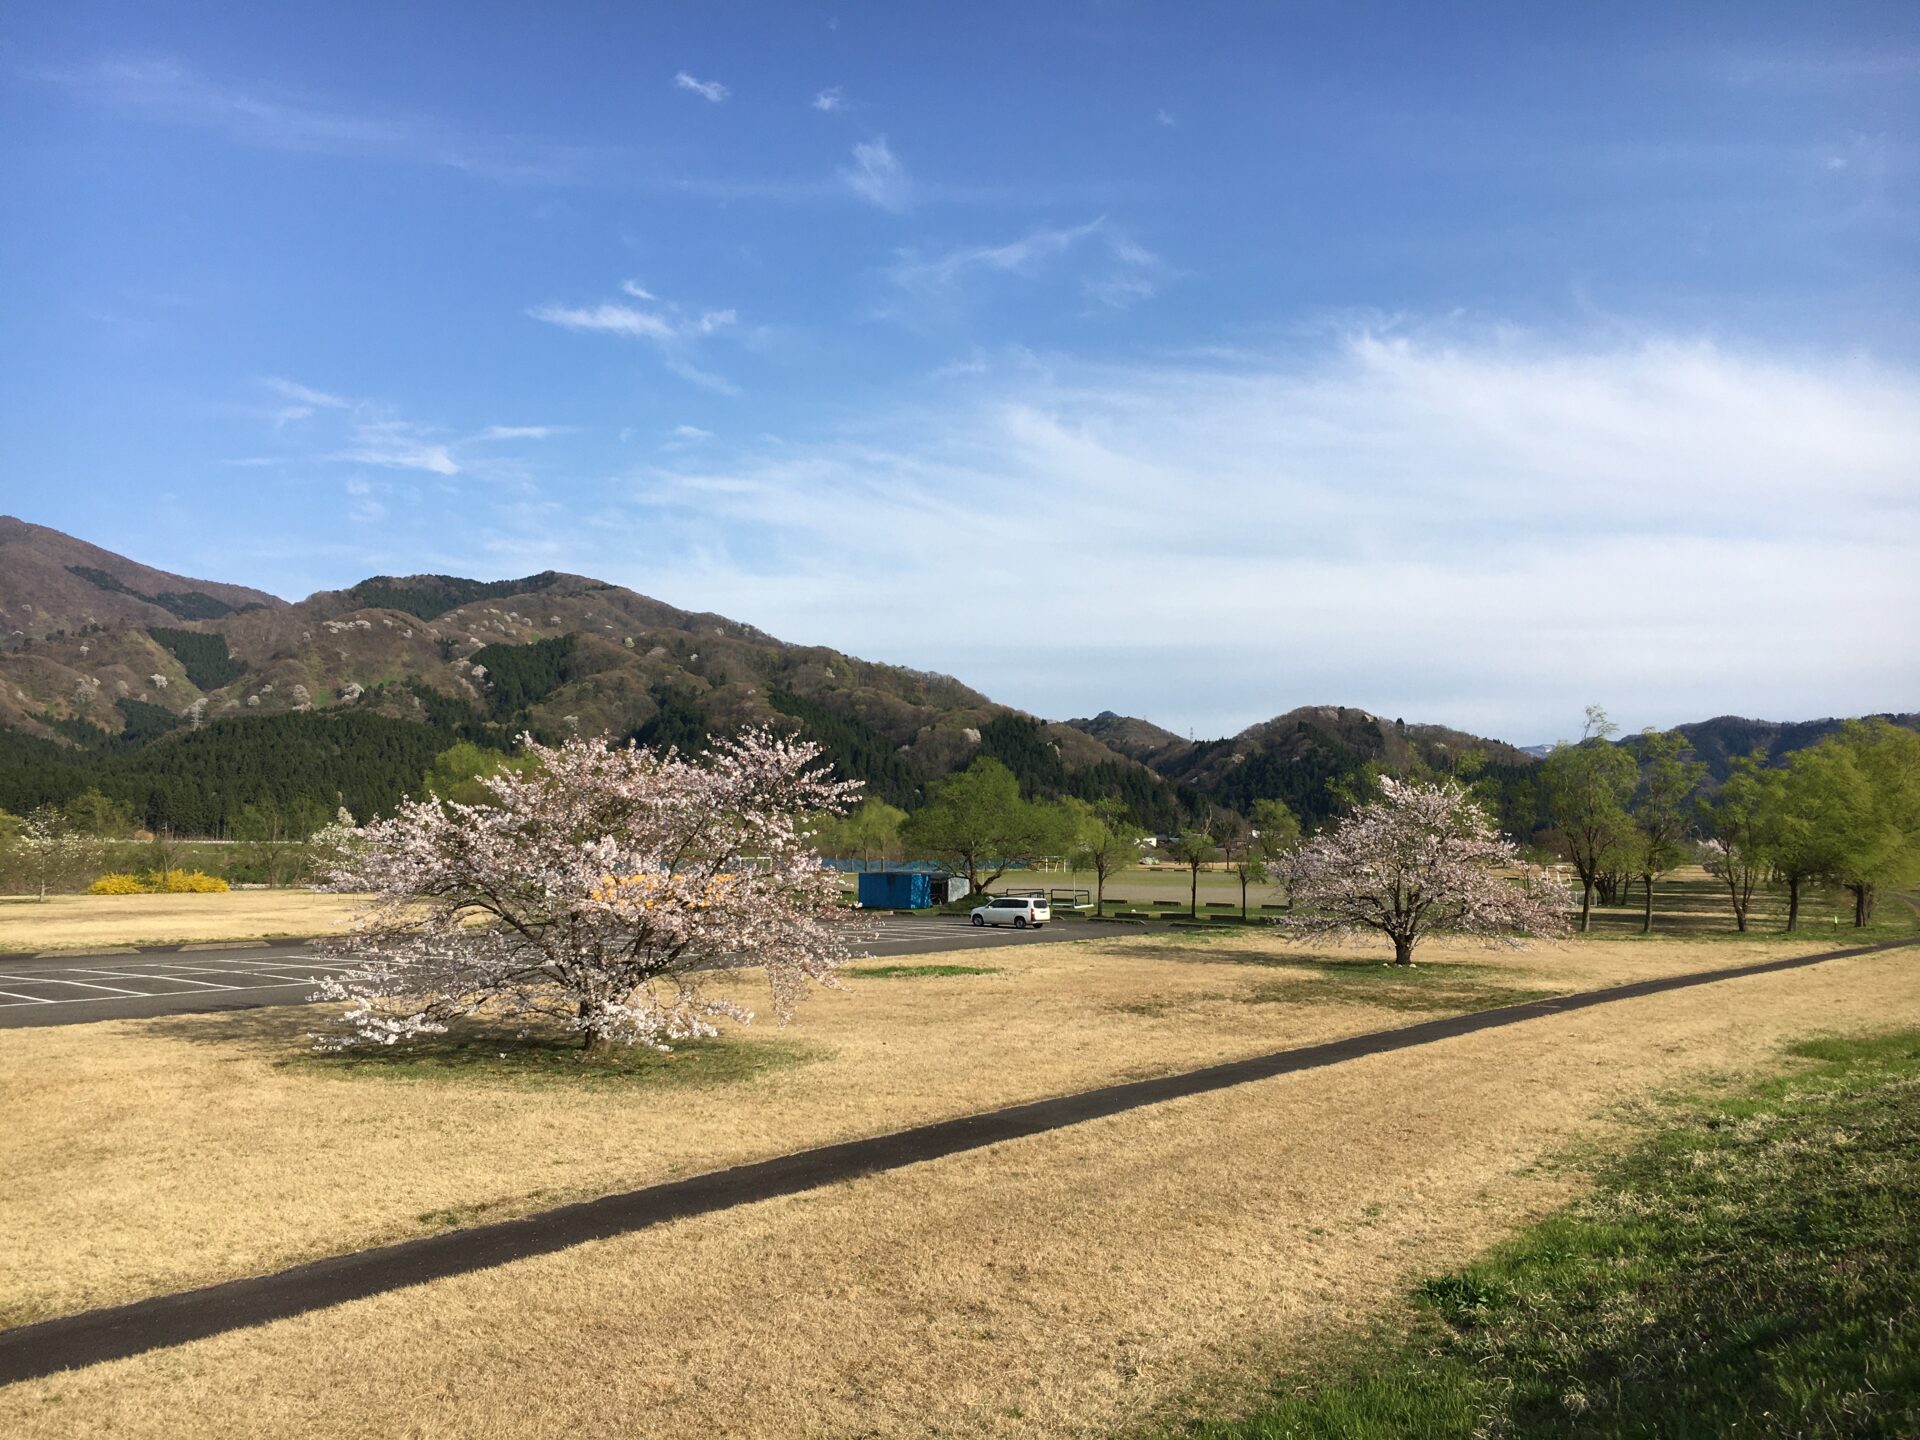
(490, 1057)
(1751, 1269)
(917, 972)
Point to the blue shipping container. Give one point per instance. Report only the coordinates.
(896, 890)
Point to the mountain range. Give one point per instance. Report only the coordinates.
(189, 698)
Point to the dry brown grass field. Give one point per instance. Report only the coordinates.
(1084, 1282)
(134, 1145)
(85, 922)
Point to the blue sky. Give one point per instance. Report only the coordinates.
(1465, 363)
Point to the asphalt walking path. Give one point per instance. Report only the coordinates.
(92, 1336)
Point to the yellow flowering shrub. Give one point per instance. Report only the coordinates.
(185, 882)
(174, 882)
(117, 884)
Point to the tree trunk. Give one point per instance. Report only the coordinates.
(1586, 905)
(1646, 918)
(592, 1040)
(1862, 904)
(1793, 904)
(1402, 950)
(1193, 897)
(1243, 897)
(1099, 893)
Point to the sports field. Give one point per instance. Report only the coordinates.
(1151, 1260)
(95, 922)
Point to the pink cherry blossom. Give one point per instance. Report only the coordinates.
(1422, 859)
(598, 891)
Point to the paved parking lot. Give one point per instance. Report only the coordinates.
(76, 989)
(73, 989)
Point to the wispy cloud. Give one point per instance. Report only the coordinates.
(1418, 523)
(636, 290)
(668, 327)
(516, 432)
(1165, 117)
(711, 91)
(1121, 273)
(705, 379)
(367, 432)
(389, 445)
(878, 176)
(608, 319)
(829, 100)
(165, 90)
(686, 437)
(306, 395)
(364, 509)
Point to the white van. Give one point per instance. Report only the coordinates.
(1019, 911)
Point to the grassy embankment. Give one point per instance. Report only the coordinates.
(1753, 1269)
(1167, 1261)
(135, 1141)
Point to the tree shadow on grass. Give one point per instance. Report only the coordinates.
(1449, 988)
(1429, 988)
(498, 1055)
(487, 1054)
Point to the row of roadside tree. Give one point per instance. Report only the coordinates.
(1843, 813)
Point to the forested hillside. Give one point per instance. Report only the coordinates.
(344, 698)
(189, 700)
(1318, 759)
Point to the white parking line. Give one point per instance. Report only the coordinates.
(142, 995)
(84, 985)
(137, 975)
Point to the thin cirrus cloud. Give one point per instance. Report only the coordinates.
(390, 446)
(306, 395)
(1488, 531)
(671, 330)
(711, 91)
(366, 433)
(878, 176)
(1113, 270)
(163, 90)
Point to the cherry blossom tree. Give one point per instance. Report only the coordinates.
(51, 851)
(592, 891)
(1420, 859)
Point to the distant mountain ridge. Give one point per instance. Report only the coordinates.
(1725, 738)
(50, 581)
(1310, 757)
(102, 656)
(98, 671)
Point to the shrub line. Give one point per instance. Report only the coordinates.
(91, 1337)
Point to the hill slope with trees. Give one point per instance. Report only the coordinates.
(172, 713)
(173, 695)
